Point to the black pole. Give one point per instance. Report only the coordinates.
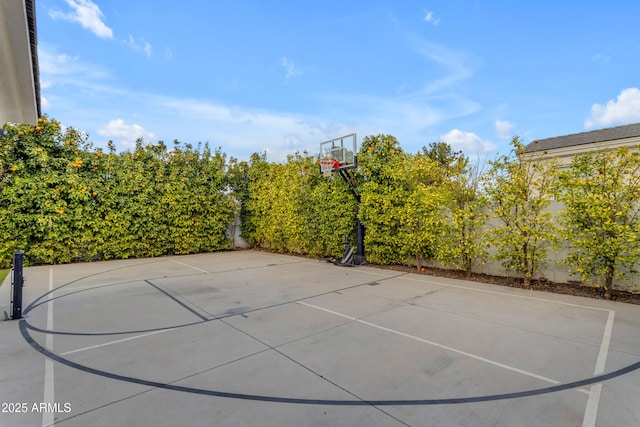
(360, 259)
(352, 186)
(17, 282)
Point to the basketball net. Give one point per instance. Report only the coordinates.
(328, 165)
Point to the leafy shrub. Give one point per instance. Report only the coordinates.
(62, 201)
(403, 202)
(291, 207)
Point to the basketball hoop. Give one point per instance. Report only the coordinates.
(328, 165)
(338, 154)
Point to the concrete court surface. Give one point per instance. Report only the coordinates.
(258, 339)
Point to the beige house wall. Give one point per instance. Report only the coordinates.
(553, 270)
(566, 154)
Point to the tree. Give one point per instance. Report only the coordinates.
(403, 197)
(246, 180)
(61, 200)
(291, 207)
(463, 245)
(380, 158)
(46, 200)
(426, 197)
(601, 218)
(443, 154)
(519, 188)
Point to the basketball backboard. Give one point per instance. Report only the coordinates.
(339, 153)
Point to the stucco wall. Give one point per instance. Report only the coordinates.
(553, 271)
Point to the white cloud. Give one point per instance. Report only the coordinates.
(455, 64)
(51, 62)
(290, 68)
(624, 110)
(140, 45)
(244, 131)
(124, 135)
(83, 94)
(468, 142)
(407, 117)
(44, 103)
(87, 14)
(504, 129)
(430, 18)
(58, 68)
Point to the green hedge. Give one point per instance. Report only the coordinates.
(62, 201)
(291, 207)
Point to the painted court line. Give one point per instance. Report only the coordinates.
(190, 266)
(174, 298)
(604, 347)
(48, 395)
(178, 299)
(444, 347)
(591, 412)
(92, 347)
(504, 294)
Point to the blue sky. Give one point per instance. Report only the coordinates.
(283, 76)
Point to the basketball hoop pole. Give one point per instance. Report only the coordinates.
(351, 183)
(359, 259)
(340, 155)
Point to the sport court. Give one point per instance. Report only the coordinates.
(258, 339)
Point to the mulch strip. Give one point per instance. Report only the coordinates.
(512, 282)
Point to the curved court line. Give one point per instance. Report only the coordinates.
(24, 326)
(33, 306)
(329, 402)
(438, 345)
(100, 334)
(35, 303)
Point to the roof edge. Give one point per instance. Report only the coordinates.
(584, 138)
(30, 8)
